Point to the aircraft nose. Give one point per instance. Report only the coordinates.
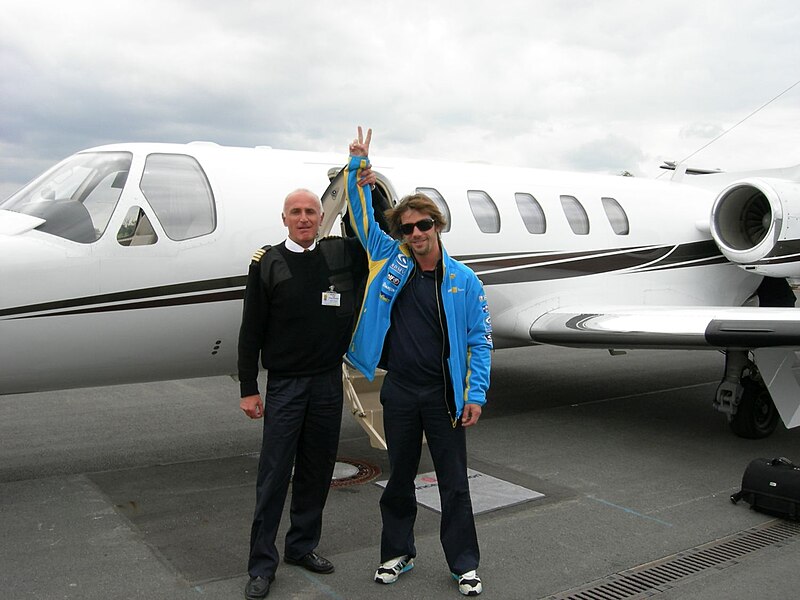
(32, 269)
(14, 223)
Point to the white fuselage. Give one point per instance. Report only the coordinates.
(76, 314)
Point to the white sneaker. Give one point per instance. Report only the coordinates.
(469, 583)
(389, 571)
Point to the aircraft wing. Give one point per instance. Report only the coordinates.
(725, 327)
(772, 334)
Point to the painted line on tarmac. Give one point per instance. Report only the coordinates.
(649, 393)
(629, 511)
(325, 589)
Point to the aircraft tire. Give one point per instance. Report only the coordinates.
(756, 416)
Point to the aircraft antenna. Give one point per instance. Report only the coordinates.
(731, 128)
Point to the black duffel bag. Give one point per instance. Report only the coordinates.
(771, 486)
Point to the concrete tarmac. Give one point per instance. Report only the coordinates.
(147, 491)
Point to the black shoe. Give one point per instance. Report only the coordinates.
(311, 561)
(257, 588)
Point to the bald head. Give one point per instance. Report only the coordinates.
(304, 194)
(302, 215)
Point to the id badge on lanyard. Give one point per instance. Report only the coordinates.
(331, 298)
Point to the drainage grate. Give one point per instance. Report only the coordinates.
(658, 576)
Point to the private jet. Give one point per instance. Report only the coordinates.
(126, 263)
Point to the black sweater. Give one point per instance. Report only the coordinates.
(284, 319)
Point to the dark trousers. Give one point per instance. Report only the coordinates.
(302, 419)
(408, 410)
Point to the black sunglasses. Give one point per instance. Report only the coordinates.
(423, 225)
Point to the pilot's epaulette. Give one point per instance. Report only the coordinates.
(259, 254)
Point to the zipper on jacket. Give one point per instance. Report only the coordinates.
(438, 288)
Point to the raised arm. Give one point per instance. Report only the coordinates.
(358, 175)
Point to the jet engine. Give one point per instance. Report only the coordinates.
(756, 224)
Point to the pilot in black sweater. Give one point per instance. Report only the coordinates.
(299, 305)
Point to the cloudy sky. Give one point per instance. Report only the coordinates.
(579, 85)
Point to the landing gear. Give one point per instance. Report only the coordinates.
(756, 416)
(744, 397)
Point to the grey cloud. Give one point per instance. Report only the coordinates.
(530, 83)
(701, 130)
(611, 154)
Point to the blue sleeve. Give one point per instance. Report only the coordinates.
(378, 244)
(479, 344)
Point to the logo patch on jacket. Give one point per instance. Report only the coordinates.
(400, 264)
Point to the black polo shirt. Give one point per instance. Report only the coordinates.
(414, 349)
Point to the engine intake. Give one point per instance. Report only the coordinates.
(756, 224)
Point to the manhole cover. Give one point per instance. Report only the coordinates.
(351, 472)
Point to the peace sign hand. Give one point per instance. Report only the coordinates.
(360, 146)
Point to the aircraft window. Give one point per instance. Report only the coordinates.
(177, 189)
(616, 216)
(531, 212)
(439, 201)
(484, 210)
(102, 199)
(136, 229)
(76, 197)
(576, 215)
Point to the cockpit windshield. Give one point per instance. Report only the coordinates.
(76, 197)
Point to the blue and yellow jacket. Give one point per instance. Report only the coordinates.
(469, 328)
